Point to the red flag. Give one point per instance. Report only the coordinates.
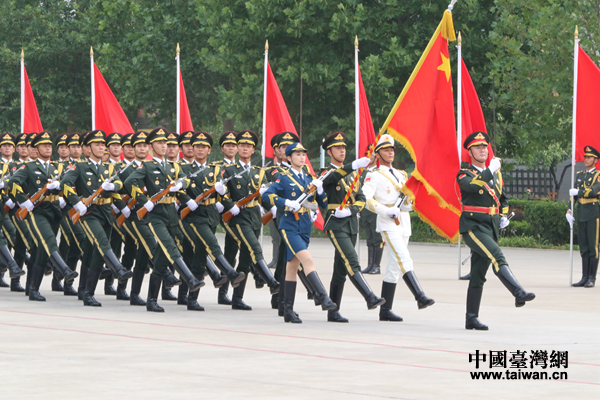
(588, 88)
(367, 135)
(109, 114)
(278, 118)
(472, 114)
(31, 122)
(423, 121)
(185, 119)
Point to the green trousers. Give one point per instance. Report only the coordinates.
(484, 251)
(345, 261)
(587, 236)
(247, 239)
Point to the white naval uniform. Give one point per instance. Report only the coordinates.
(382, 191)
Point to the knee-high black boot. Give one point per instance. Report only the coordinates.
(238, 294)
(415, 288)
(90, 289)
(153, 289)
(122, 290)
(82, 280)
(592, 273)
(182, 295)
(359, 282)
(310, 291)
(289, 315)
(267, 276)
(385, 311)
(113, 263)
(473, 302)
(8, 260)
(585, 271)
(68, 288)
(218, 279)
(370, 258)
(510, 282)
(315, 282)
(60, 265)
(109, 289)
(336, 289)
(232, 275)
(222, 297)
(2, 281)
(192, 300)
(187, 276)
(377, 255)
(36, 280)
(136, 287)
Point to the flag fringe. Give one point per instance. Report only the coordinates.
(448, 32)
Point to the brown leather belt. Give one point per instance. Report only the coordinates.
(482, 210)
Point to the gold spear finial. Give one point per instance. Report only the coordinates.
(267, 45)
(356, 42)
(22, 54)
(91, 52)
(459, 39)
(177, 48)
(576, 33)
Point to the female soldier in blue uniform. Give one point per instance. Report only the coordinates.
(284, 194)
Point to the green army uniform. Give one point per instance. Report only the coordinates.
(587, 216)
(77, 186)
(245, 227)
(44, 220)
(343, 232)
(162, 218)
(484, 202)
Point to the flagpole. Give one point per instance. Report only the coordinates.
(22, 91)
(357, 120)
(459, 128)
(93, 89)
(573, 143)
(264, 121)
(178, 127)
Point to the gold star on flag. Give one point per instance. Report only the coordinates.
(445, 66)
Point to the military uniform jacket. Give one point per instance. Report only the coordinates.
(29, 179)
(207, 211)
(8, 169)
(476, 190)
(4, 174)
(382, 191)
(336, 185)
(288, 186)
(156, 178)
(241, 187)
(587, 199)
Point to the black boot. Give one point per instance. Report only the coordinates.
(385, 311)
(226, 269)
(359, 282)
(153, 289)
(222, 297)
(136, 287)
(370, 260)
(105, 273)
(166, 293)
(185, 274)
(192, 300)
(310, 291)
(8, 260)
(56, 285)
(592, 273)
(465, 277)
(275, 301)
(122, 291)
(289, 315)
(335, 294)
(315, 282)
(62, 268)
(36, 280)
(267, 276)
(109, 289)
(259, 282)
(218, 279)
(68, 287)
(238, 294)
(473, 302)
(113, 263)
(510, 282)
(29, 277)
(281, 294)
(170, 280)
(90, 288)
(585, 272)
(82, 280)
(182, 296)
(15, 285)
(2, 281)
(377, 260)
(415, 288)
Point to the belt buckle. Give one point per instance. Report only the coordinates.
(493, 211)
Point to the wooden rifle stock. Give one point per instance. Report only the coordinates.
(143, 211)
(22, 212)
(199, 199)
(267, 217)
(121, 219)
(228, 215)
(75, 215)
(311, 191)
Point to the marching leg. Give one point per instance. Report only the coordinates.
(473, 302)
(585, 271)
(192, 301)
(238, 293)
(289, 294)
(510, 282)
(592, 273)
(385, 311)
(153, 289)
(336, 289)
(315, 281)
(36, 280)
(415, 287)
(90, 288)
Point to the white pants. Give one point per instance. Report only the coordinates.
(398, 257)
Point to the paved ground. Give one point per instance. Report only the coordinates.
(60, 349)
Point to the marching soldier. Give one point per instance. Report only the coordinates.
(368, 220)
(62, 148)
(483, 215)
(45, 218)
(246, 223)
(172, 147)
(63, 153)
(157, 175)
(342, 225)
(114, 150)
(21, 147)
(383, 191)
(586, 192)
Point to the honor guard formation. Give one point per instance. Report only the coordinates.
(150, 203)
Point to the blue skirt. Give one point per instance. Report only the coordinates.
(294, 242)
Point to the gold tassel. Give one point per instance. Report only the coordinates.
(448, 27)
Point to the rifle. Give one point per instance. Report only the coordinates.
(125, 199)
(40, 194)
(132, 202)
(310, 191)
(157, 197)
(228, 215)
(399, 203)
(75, 215)
(205, 195)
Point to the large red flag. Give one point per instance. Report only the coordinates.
(31, 121)
(423, 121)
(185, 119)
(588, 109)
(367, 133)
(472, 114)
(109, 114)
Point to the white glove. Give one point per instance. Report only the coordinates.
(313, 216)
(343, 213)
(262, 210)
(192, 205)
(176, 188)
(81, 208)
(220, 188)
(262, 189)
(126, 212)
(573, 192)
(361, 163)
(61, 202)
(273, 211)
(406, 207)
(53, 185)
(108, 186)
(293, 205)
(495, 165)
(393, 212)
(1, 184)
(149, 206)
(176, 206)
(504, 222)
(27, 204)
(570, 219)
(11, 204)
(220, 207)
(318, 184)
(115, 209)
(235, 210)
